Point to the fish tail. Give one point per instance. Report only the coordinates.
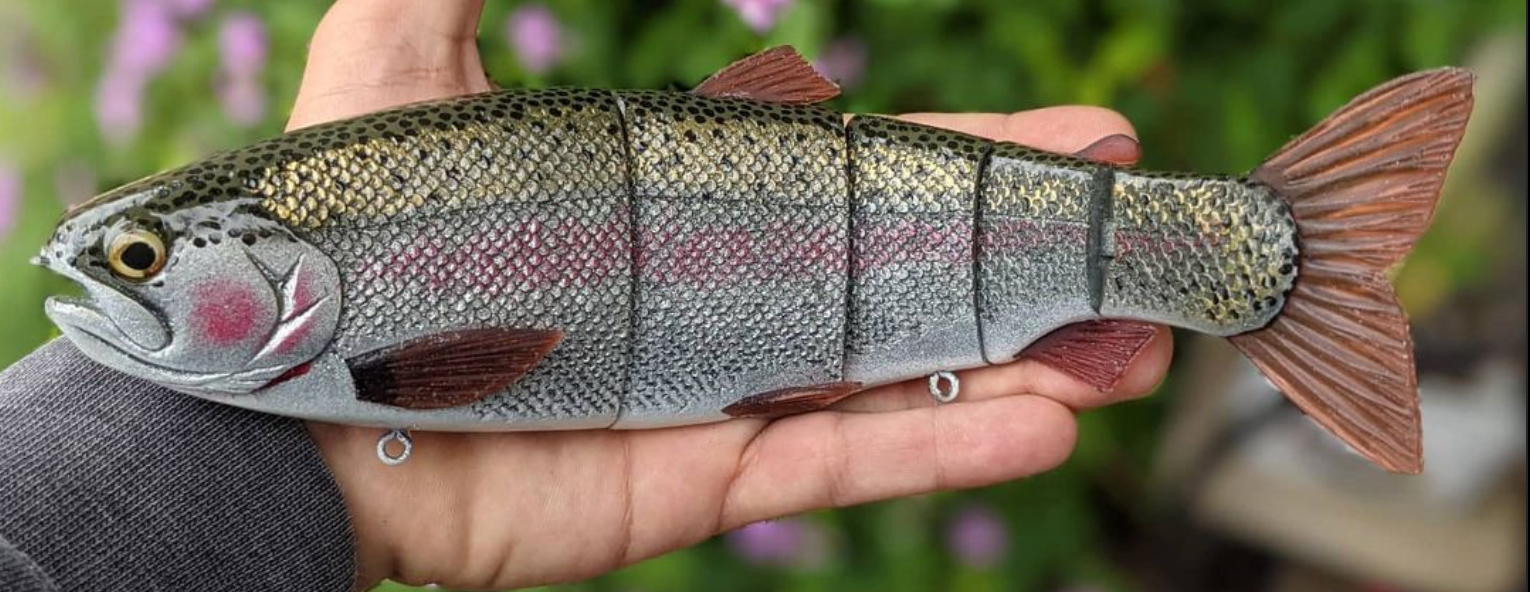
(1362, 187)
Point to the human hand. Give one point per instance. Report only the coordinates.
(519, 509)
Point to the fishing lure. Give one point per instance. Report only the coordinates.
(559, 259)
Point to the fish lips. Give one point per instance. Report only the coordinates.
(107, 310)
(99, 337)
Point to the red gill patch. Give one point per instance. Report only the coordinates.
(294, 372)
(224, 313)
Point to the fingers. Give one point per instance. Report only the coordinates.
(840, 459)
(369, 55)
(1118, 149)
(1057, 129)
(1027, 377)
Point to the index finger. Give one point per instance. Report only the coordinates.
(1065, 129)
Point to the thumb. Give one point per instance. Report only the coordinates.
(368, 55)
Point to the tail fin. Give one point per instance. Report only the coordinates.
(1362, 186)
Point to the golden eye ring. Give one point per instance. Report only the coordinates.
(136, 255)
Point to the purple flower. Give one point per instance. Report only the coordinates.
(244, 101)
(767, 542)
(243, 47)
(760, 15)
(843, 61)
(119, 105)
(978, 537)
(146, 40)
(536, 36)
(147, 37)
(242, 44)
(10, 196)
(786, 542)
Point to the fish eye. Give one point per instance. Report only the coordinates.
(136, 254)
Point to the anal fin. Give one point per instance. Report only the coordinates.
(450, 369)
(792, 401)
(1095, 352)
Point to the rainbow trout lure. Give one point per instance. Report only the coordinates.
(563, 259)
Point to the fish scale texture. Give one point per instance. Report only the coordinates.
(541, 146)
(214, 498)
(696, 251)
(506, 210)
(1214, 255)
(741, 247)
(911, 300)
(1033, 257)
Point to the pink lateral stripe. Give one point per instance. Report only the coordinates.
(778, 251)
(534, 255)
(1007, 235)
(527, 255)
(1144, 242)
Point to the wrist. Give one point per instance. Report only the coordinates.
(365, 500)
(412, 522)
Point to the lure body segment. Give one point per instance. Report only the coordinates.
(559, 259)
(741, 244)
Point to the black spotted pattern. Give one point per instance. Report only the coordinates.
(696, 250)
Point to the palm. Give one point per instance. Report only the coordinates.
(524, 508)
(501, 510)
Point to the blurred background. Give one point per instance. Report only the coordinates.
(1212, 484)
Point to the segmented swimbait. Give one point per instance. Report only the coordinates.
(552, 259)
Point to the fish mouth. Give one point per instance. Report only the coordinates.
(100, 338)
(80, 316)
(148, 336)
(70, 312)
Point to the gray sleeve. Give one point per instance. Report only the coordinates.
(19, 574)
(110, 483)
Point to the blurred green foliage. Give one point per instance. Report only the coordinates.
(1212, 85)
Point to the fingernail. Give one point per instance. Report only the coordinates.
(1115, 149)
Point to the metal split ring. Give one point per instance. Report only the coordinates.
(394, 435)
(952, 389)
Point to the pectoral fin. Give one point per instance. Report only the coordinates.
(776, 75)
(450, 369)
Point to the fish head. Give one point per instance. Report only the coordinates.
(189, 283)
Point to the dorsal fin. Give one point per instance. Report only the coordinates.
(450, 369)
(776, 75)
